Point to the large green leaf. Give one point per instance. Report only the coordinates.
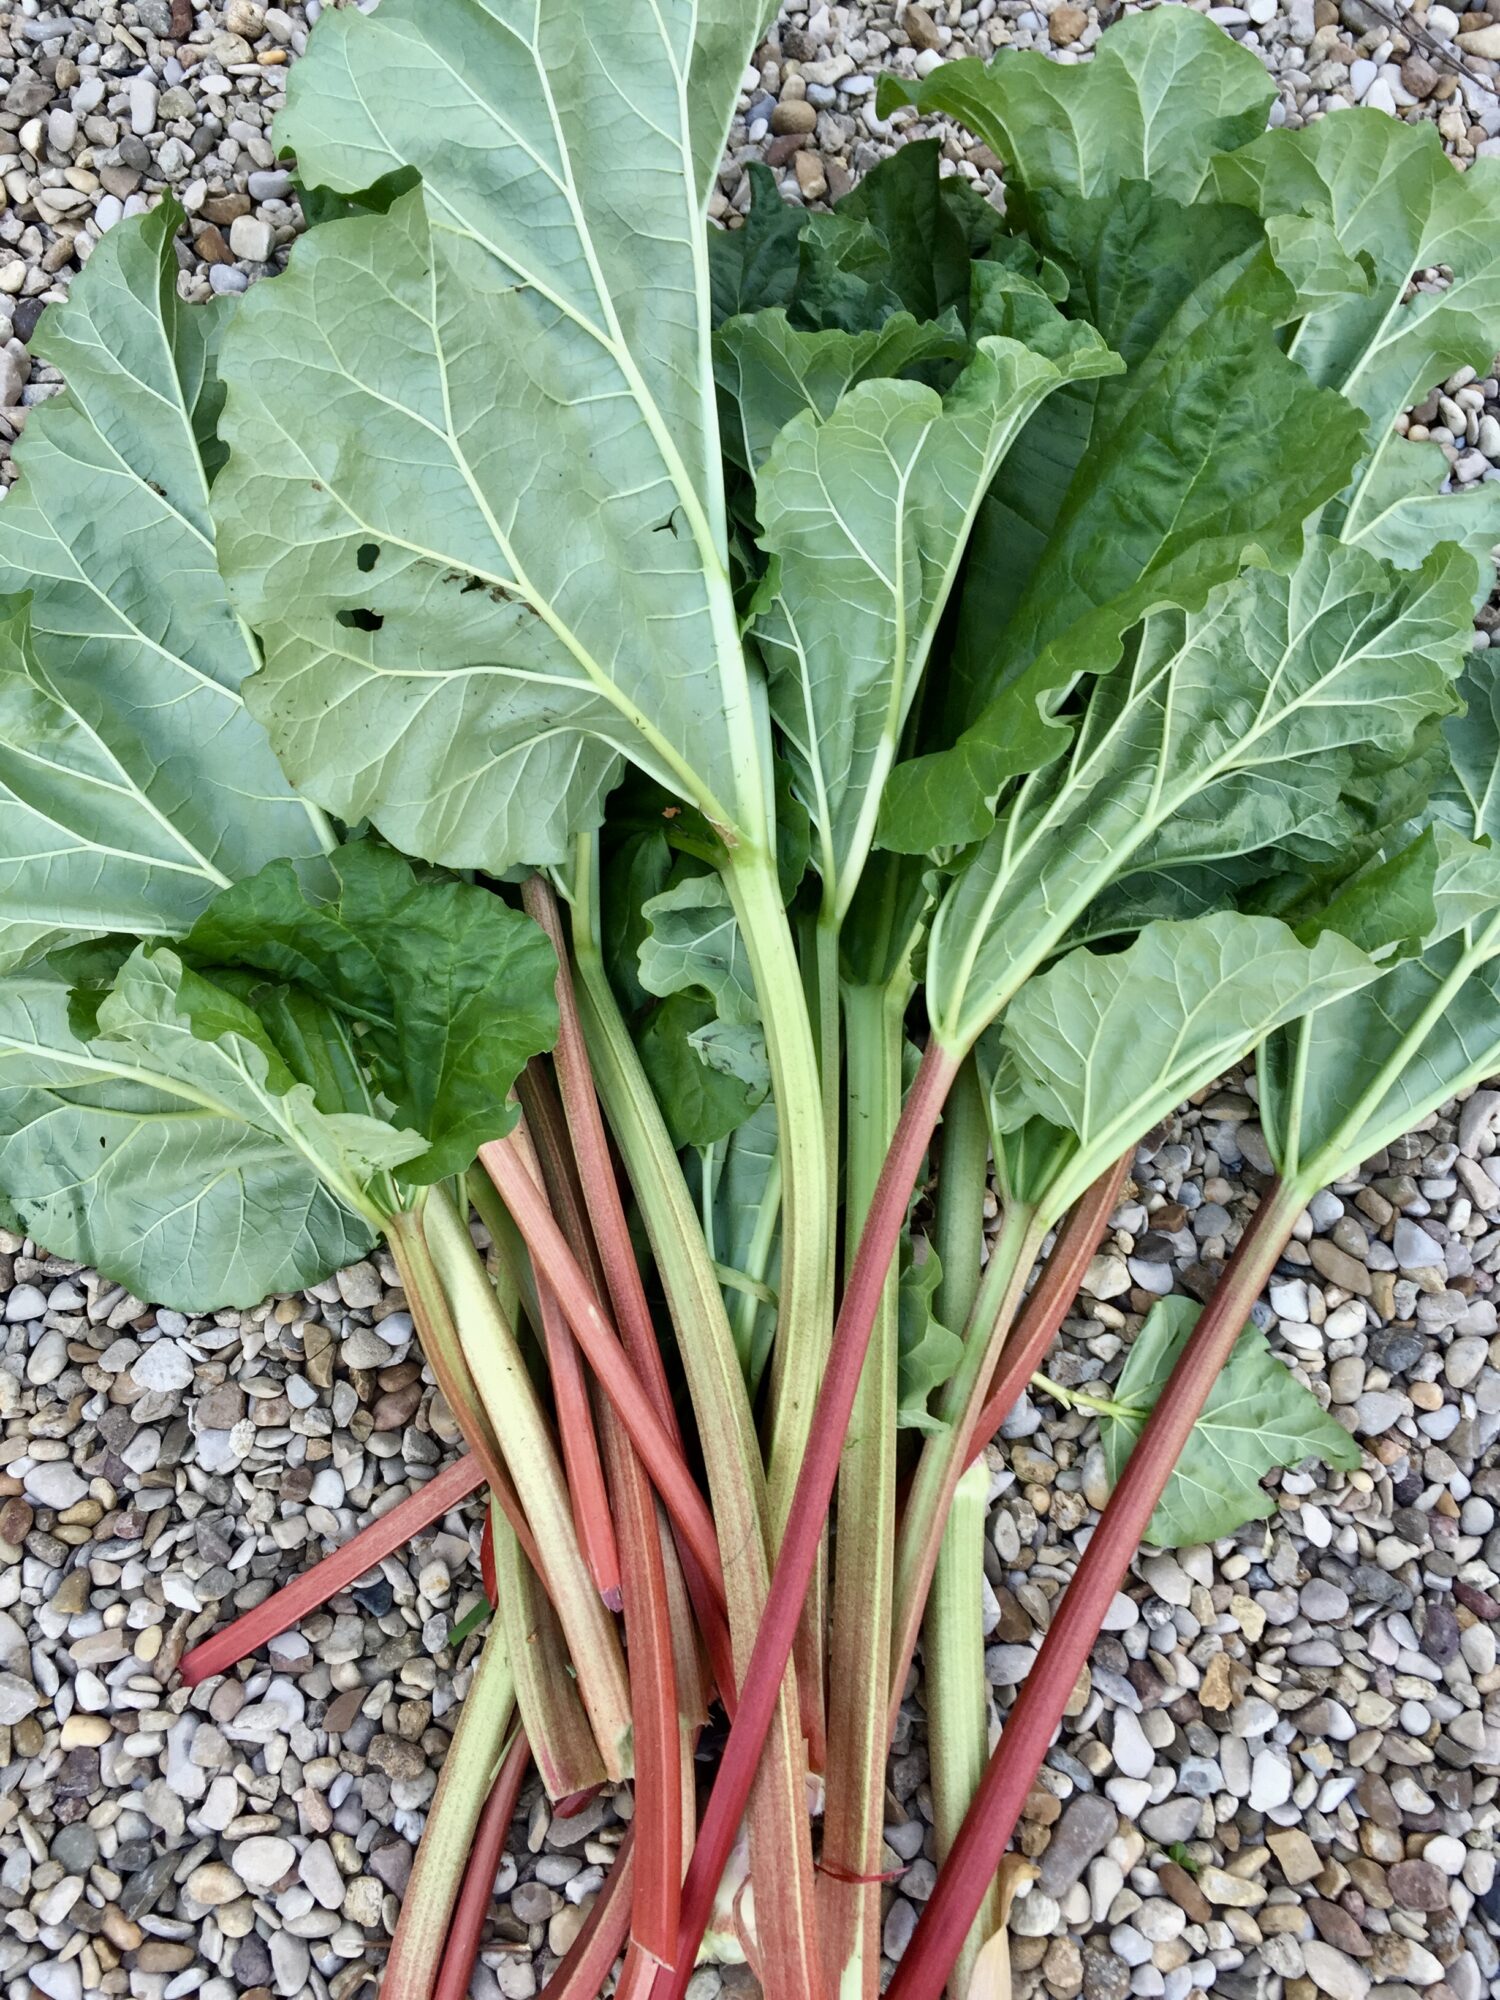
(474, 503)
(1257, 1418)
(1164, 93)
(708, 1075)
(694, 941)
(455, 990)
(174, 1149)
(865, 518)
(133, 785)
(1237, 730)
(1213, 452)
(769, 371)
(1103, 1046)
(1385, 191)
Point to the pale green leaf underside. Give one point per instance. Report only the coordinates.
(1387, 193)
(133, 785)
(1164, 93)
(1106, 1045)
(865, 517)
(1233, 731)
(1258, 1417)
(694, 941)
(188, 1166)
(482, 428)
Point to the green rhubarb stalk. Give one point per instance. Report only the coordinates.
(780, 1841)
(495, 1361)
(945, 1454)
(957, 1693)
(804, 1309)
(953, 1679)
(864, 1556)
(563, 1741)
(467, 1777)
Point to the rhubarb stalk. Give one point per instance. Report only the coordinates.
(563, 1742)
(465, 1782)
(390, 1531)
(494, 1358)
(466, 1931)
(780, 1844)
(1028, 1730)
(761, 1681)
(1048, 1300)
(506, 1165)
(849, 1880)
(575, 1418)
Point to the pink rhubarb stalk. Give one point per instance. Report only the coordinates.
(1029, 1729)
(616, 1253)
(592, 1954)
(658, 1450)
(575, 1424)
(760, 1684)
(466, 1931)
(295, 1600)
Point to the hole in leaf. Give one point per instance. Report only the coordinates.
(361, 620)
(367, 555)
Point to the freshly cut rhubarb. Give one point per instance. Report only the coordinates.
(472, 1770)
(389, 1532)
(466, 1929)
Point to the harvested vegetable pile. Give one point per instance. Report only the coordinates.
(650, 742)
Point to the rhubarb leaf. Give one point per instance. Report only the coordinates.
(133, 785)
(1258, 1418)
(1385, 191)
(865, 517)
(707, 1078)
(1104, 1045)
(474, 500)
(453, 989)
(929, 1352)
(1238, 728)
(769, 371)
(742, 1227)
(694, 941)
(1164, 93)
(175, 1150)
(1221, 456)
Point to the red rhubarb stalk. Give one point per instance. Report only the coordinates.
(506, 1166)
(475, 1755)
(575, 1424)
(964, 1881)
(591, 1956)
(295, 1600)
(1048, 1301)
(760, 1684)
(466, 1931)
(616, 1253)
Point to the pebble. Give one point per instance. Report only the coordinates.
(164, 1366)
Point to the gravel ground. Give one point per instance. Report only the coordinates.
(1282, 1776)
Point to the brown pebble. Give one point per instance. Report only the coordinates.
(920, 31)
(1184, 1891)
(16, 1517)
(342, 1710)
(794, 114)
(1336, 1927)
(1418, 1885)
(1066, 23)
